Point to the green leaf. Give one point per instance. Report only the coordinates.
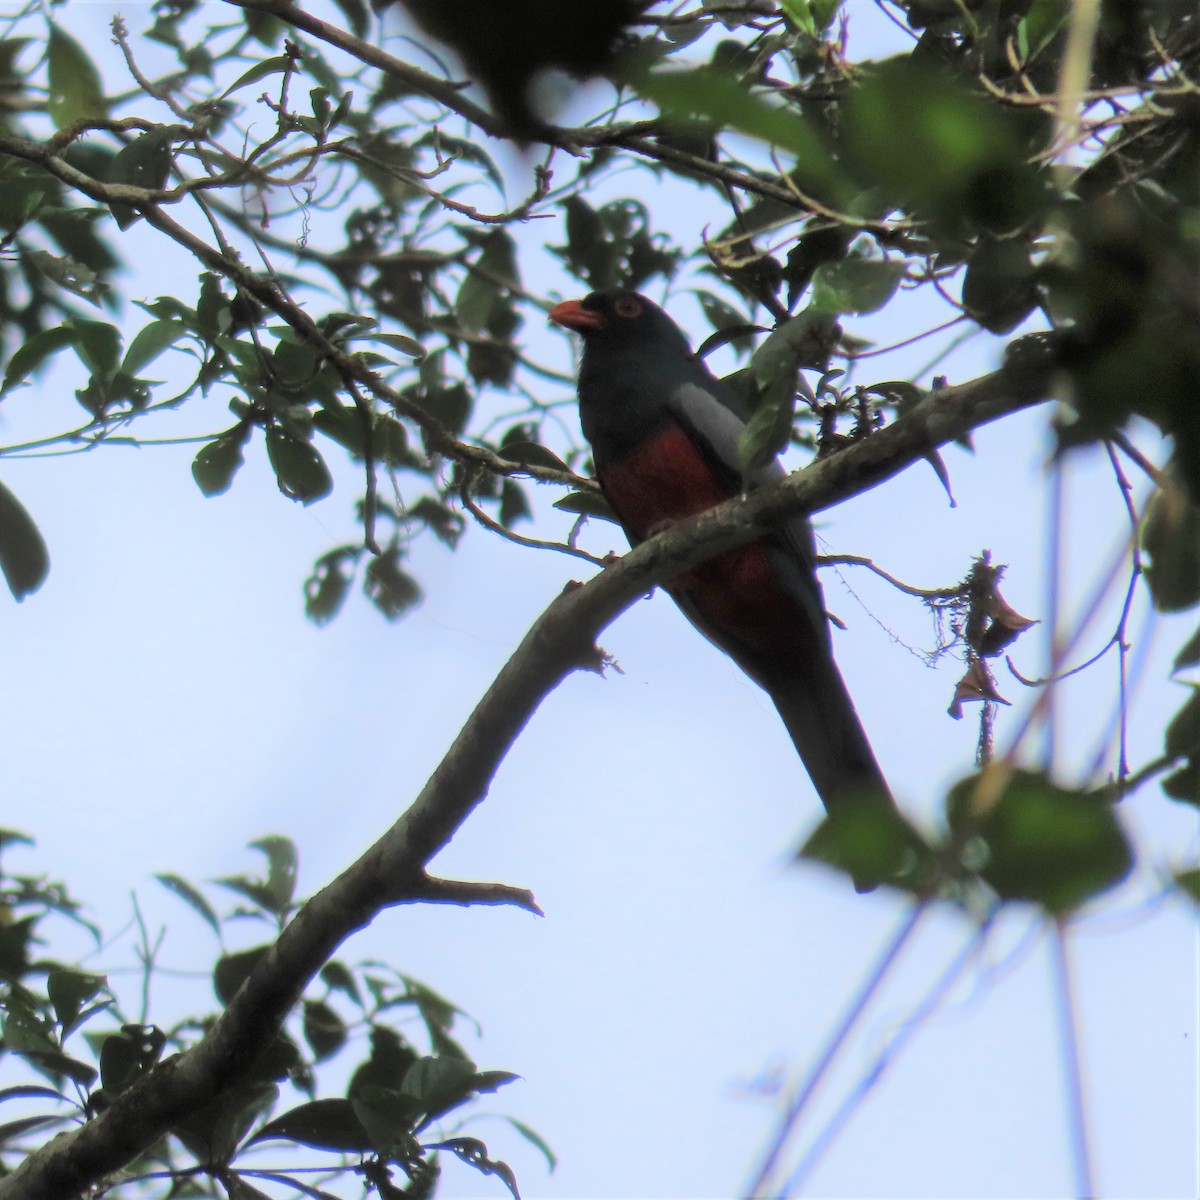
(723, 316)
(804, 340)
(70, 274)
(32, 1091)
(726, 100)
(532, 454)
(925, 144)
(24, 558)
(445, 523)
(390, 588)
(475, 1153)
(321, 1124)
(324, 1029)
(68, 992)
(514, 506)
(325, 590)
(391, 1056)
(10, 1131)
(800, 13)
(339, 977)
(999, 289)
(398, 341)
(98, 345)
(1171, 539)
(28, 357)
(1041, 842)
(855, 285)
(476, 298)
(388, 1117)
(450, 405)
(535, 1139)
(770, 425)
(300, 471)
(439, 1083)
(1038, 27)
(1184, 785)
(873, 844)
(146, 163)
(215, 465)
(76, 93)
(1183, 733)
(1189, 882)
(214, 1133)
(587, 504)
(1190, 654)
(260, 70)
(282, 861)
(357, 16)
(192, 897)
(149, 342)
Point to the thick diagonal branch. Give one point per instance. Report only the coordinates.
(393, 870)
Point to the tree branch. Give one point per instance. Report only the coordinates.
(393, 870)
(271, 295)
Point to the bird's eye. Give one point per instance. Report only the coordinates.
(628, 307)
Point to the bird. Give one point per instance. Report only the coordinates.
(664, 436)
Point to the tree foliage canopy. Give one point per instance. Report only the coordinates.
(376, 208)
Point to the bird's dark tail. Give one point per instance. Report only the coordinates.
(825, 729)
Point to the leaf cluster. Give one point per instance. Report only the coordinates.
(388, 1038)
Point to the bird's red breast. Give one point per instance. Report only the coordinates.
(667, 479)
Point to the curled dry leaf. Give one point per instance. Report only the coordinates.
(1004, 626)
(976, 684)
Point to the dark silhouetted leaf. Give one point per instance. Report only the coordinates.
(321, 1124)
(588, 504)
(389, 587)
(215, 465)
(69, 991)
(214, 1133)
(1189, 655)
(28, 357)
(1171, 539)
(299, 468)
(324, 1030)
(472, 1151)
(325, 590)
(999, 287)
(146, 163)
(24, 558)
(192, 897)
(1189, 882)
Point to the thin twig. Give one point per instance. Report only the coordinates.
(858, 560)
(798, 1104)
(488, 522)
(1072, 1068)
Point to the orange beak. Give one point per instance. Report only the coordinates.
(572, 315)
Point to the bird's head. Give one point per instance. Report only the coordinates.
(621, 322)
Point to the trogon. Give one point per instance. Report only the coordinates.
(664, 436)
